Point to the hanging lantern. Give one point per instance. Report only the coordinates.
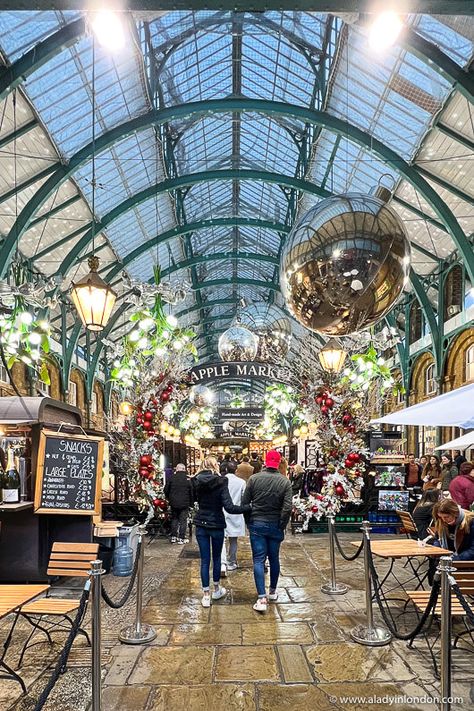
(345, 264)
(126, 408)
(332, 356)
(93, 298)
(238, 344)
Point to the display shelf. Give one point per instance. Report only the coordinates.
(19, 506)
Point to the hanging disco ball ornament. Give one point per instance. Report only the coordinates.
(344, 264)
(201, 395)
(237, 344)
(273, 329)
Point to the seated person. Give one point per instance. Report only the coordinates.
(454, 529)
(462, 487)
(423, 511)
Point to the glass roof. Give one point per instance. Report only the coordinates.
(303, 59)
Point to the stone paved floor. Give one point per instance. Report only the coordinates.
(298, 656)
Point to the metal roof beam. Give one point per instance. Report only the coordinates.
(447, 186)
(28, 183)
(219, 256)
(448, 131)
(432, 7)
(14, 75)
(14, 135)
(321, 118)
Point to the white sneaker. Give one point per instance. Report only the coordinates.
(232, 566)
(180, 542)
(185, 540)
(206, 600)
(217, 594)
(273, 597)
(223, 570)
(174, 539)
(261, 605)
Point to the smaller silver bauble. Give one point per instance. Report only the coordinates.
(201, 395)
(238, 344)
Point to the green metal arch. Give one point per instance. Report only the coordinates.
(320, 118)
(428, 311)
(220, 256)
(194, 227)
(181, 181)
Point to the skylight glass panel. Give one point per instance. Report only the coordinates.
(21, 30)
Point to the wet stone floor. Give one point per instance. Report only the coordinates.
(297, 656)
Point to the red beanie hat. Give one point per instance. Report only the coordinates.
(273, 459)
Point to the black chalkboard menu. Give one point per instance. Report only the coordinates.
(68, 474)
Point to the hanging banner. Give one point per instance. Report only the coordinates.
(241, 414)
(226, 371)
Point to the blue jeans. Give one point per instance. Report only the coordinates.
(265, 539)
(205, 538)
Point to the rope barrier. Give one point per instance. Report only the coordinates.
(344, 555)
(60, 667)
(388, 621)
(462, 600)
(106, 597)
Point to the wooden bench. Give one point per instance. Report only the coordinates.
(67, 560)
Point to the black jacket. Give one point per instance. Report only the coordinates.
(270, 495)
(179, 491)
(212, 494)
(422, 516)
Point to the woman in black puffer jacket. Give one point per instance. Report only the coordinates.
(212, 495)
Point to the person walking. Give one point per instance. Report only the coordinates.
(235, 523)
(179, 492)
(211, 491)
(270, 495)
(244, 469)
(432, 472)
(462, 487)
(448, 471)
(413, 472)
(256, 463)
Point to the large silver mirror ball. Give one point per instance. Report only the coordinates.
(344, 264)
(238, 344)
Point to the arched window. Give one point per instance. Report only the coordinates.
(453, 296)
(72, 393)
(416, 322)
(430, 382)
(469, 363)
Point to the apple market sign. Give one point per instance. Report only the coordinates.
(226, 371)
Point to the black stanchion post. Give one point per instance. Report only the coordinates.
(96, 591)
(369, 635)
(333, 588)
(139, 632)
(445, 567)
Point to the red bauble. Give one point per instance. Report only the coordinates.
(329, 402)
(324, 409)
(156, 502)
(151, 433)
(348, 463)
(319, 400)
(346, 419)
(147, 425)
(314, 509)
(333, 453)
(351, 429)
(319, 497)
(139, 419)
(165, 396)
(148, 416)
(354, 457)
(145, 460)
(339, 490)
(143, 471)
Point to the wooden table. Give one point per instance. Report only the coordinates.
(394, 549)
(12, 597)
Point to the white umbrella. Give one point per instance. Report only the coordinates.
(464, 442)
(453, 409)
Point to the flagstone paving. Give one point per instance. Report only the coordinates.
(298, 656)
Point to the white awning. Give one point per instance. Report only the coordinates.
(453, 409)
(464, 442)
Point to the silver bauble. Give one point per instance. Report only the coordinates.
(273, 329)
(201, 395)
(237, 344)
(344, 264)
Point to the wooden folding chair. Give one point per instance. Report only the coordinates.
(464, 576)
(67, 560)
(411, 531)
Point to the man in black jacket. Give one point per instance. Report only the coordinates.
(269, 493)
(179, 492)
